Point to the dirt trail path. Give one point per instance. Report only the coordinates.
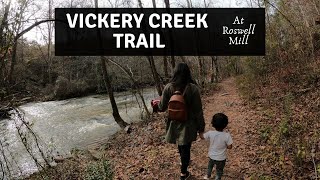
(144, 155)
(228, 101)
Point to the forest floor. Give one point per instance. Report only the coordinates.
(275, 136)
(143, 154)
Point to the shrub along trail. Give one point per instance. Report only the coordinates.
(143, 154)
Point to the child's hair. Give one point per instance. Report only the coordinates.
(219, 121)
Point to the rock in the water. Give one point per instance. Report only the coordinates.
(4, 113)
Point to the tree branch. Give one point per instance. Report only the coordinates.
(285, 17)
(32, 26)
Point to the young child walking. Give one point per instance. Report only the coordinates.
(219, 143)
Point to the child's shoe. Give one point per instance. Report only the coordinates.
(206, 177)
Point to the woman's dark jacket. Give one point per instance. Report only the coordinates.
(186, 132)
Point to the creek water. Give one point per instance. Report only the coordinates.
(68, 124)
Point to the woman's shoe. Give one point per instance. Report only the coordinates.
(188, 174)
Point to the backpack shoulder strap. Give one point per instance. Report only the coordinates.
(185, 89)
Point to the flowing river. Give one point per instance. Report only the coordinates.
(68, 124)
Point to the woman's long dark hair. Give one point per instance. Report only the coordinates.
(181, 76)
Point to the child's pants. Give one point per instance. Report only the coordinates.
(219, 168)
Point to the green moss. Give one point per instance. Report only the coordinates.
(265, 133)
(100, 170)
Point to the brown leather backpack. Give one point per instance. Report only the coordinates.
(177, 108)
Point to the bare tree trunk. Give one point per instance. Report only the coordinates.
(13, 60)
(251, 3)
(183, 59)
(49, 43)
(308, 27)
(153, 67)
(259, 4)
(165, 67)
(15, 43)
(272, 32)
(205, 4)
(167, 3)
(135, 84)
(215, 69)
(154, 4)
(155, 75)
(17, 35)
(284, 16)
(212, 80)
(115, 111)
(3, 25)
(201, 71)
(189, 3)
(172, 61)
(165, 58)
(14, 49)
(140, 3)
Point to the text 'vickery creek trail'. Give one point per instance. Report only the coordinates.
(143, 154)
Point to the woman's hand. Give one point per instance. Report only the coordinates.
(155, 104)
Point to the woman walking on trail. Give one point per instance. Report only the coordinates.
(183, 133)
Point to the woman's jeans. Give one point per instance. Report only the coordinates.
(184, 151)
(219, 168)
